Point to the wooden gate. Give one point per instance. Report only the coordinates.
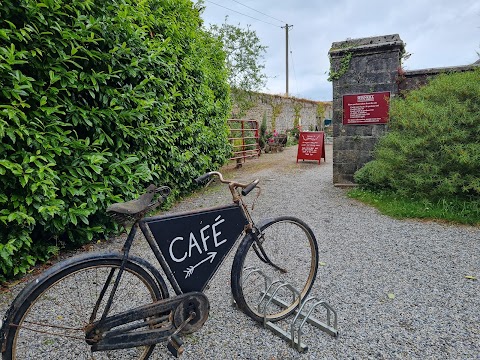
(244, 135)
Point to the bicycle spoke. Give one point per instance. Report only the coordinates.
(55, 320)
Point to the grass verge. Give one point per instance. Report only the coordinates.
(449, 210)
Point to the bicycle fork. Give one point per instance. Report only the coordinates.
(260, 251)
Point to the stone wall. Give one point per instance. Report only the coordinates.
(413, 79)
(286, 110)
(358, 66)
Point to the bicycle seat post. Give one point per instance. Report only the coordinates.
(131, 235)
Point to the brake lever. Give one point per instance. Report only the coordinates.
(257, 196)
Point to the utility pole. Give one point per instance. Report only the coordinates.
(286, 56)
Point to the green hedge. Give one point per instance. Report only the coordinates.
(98, 99)
(432, 149)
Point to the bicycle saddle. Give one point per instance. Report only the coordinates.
(142, 204)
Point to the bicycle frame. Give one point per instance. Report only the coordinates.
(191, 255)
(179, 250)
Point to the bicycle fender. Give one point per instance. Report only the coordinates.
(153, 271)
(259, 226)
(265, 222)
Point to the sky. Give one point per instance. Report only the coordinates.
(437, 33)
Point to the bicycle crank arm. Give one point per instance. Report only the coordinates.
(103, 336)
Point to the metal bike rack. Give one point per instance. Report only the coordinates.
(249, 271)
(326, 327)
(270, 298)
(303, 313)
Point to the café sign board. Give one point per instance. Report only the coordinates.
(311, 146)
(194, 244)
(371, 108)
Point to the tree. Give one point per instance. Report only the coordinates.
(244, 56)
(244, 61)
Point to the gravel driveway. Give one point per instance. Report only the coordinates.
(399, 286)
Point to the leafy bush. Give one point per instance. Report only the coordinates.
(99, 99)
(294, 133)
(432, 148)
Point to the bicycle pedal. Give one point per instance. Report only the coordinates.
(175, 345)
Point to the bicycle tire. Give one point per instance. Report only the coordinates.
(288, 242)
(62, 299)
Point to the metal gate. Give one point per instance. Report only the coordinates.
(244, 137)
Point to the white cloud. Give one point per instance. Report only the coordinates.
(437, 33)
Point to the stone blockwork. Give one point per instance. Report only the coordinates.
(285, 110)
(364, 65)
(413, 79)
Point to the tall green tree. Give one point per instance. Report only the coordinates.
(244, 55)
(244, 61)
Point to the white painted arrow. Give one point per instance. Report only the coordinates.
(191, 269)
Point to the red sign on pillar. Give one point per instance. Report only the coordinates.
(311, 146)
(359, 109)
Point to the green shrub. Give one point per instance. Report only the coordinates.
(432, 149)
(99, 99)
(294, 134)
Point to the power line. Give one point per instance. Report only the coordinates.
(238, 12)
(271, 17)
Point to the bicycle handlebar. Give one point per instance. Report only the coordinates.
(250, 187)
(246, 188)
(202, 178)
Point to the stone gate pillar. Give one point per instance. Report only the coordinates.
(360, 66)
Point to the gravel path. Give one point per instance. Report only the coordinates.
(399, 287)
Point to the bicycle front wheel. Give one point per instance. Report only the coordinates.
(50, 319)
(271, 274)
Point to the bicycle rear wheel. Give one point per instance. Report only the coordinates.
(50, 316)
(260, 289)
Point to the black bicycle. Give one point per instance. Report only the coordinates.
(115, 305)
